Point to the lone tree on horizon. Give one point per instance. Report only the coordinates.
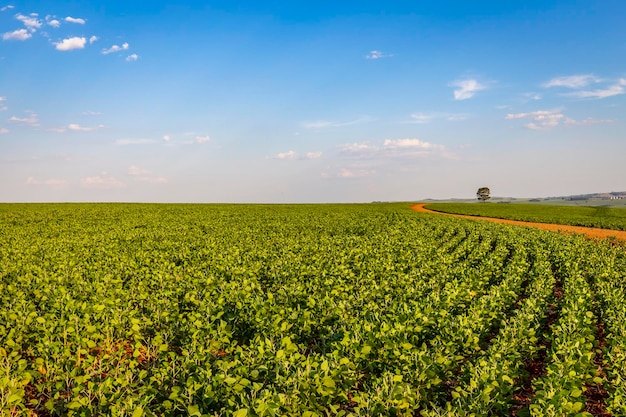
(483, 194)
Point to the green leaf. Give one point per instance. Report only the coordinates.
(138, 412)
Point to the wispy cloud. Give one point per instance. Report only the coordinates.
(143, 175)
(91, 113)
(3, 130)
(421, 118)
(547, 119)
(289, 155)
(613, 90)
(71, 43)
(16, 35)
(425, 118)
(31, 120)
(115, 48)
(350, 173)
(167, 138)
(132, 57)
(324, 124)
(31, 22)
(7, 7)
(394, 149)
(103, 182)
(293, 155)
(93, 39)
(3, 107)
(579, 82)
(572, 81)
(78, 128)
(375, 54)
(541, 119)
(52, 182)
(125, 142)
(467, 88)
(202, 139)
(77, 20)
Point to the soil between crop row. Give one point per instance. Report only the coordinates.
(591, 232)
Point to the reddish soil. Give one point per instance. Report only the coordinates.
(591, 232)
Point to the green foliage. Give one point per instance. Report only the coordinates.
(268, 310)
(601, 217)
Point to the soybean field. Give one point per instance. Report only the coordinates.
(303, 310)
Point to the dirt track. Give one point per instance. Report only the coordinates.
(591, 232)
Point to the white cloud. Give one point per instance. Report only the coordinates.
(322, 124)
(546, 119)
(167, 138)
(350, 173)
(132, 57)
(3, 106)
(202, 139)
(293, 155)
(77, 20)
(7, 7)
(466, 88)
(612, 90)
(53, 182)
(78, 128)
(3, 130)
(133, 141)
(289, 155)
(54, 23)
(71, 43)
(16, 35)
(572, 81)
(421, 118)
(31, 120)
(93, 39)
(409, 143)
(91, 113)
(57, 129)
(394, 149)
(103, 181)
(541, 119)
(377, 55)
(31, 22)
(532, 96)
(143, 175)
(586, 122)
(115, 48)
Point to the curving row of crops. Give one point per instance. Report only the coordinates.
(222, 310)
(587, 216)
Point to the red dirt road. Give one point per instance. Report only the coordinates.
(591, 232)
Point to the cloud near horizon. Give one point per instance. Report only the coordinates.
(293, 155)
(547, 119)
(102, 182)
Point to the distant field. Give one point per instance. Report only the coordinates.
(602, 217)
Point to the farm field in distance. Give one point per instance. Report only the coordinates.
(303, 310)
(597, 216)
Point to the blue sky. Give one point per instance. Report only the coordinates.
(278, 101)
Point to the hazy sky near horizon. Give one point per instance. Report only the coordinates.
(281, 101)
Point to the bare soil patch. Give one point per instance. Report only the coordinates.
(591, 232)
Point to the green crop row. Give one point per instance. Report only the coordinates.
(355, 310)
